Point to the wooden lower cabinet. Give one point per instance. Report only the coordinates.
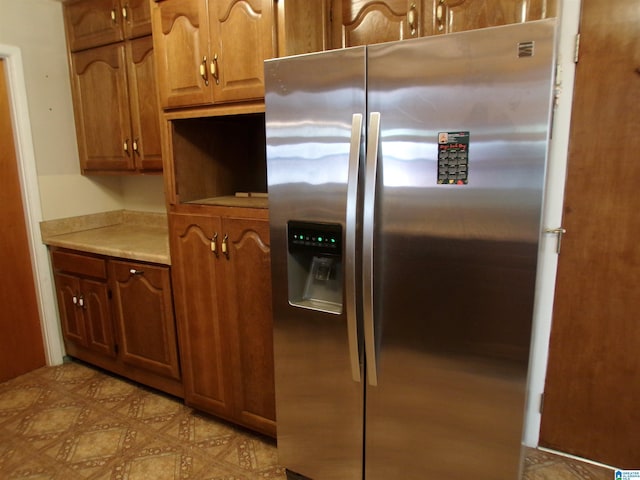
(222, 285)
(144, 317)
(118, 315)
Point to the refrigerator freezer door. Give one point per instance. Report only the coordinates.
(464, 126)
(311, 134)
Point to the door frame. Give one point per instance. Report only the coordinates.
(51, 335)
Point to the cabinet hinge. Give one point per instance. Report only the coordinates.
(576, 49)
(541, 402)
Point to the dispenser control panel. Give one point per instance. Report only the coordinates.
(318, 238)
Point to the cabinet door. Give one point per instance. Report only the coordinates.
(203, 335)
(460, 15)
(242, 37)
(363, 22)
(102, 109)
(144, 316)
(96, 309)
(136, 15)
(145, 110)
(91, 23)
(71, 318)
(248, 306)
(181, 43)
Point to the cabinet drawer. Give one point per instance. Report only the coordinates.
(80, 264)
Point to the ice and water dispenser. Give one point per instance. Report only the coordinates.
(315, 265)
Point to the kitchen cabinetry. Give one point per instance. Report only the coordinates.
(211, 51)
(83, 302)
(222, 284)
(116, 109)
(119, 316)
(362, 22)
(92, 23)
(143, 308)
(459, 15)
(114, 86)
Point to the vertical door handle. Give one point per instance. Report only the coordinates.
(214, 69)
(81, 301)
(368, 225)
(113, 16)
(412, 19)
(203, 71)
(440, 12)
(225, 247)
(214, 244)
(350, 245)
(125, 146)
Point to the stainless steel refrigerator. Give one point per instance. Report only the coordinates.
(405, 187)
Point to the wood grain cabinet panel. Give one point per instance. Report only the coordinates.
(143, 309)
(118, 315)
(363, 22)
(93, 23)
(116, 107)
(202, 332)
(450, 16)
(83, 303)
(211, 51)
(222, 285)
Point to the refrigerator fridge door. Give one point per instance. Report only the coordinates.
(463, 133)
(315, 106)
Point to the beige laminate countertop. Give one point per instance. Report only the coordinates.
(141, 236)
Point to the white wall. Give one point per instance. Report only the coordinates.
(36, 27)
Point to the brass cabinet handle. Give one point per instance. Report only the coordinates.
(440, 14)
(124, 11)
(214, 69)
(74, 299)
(214, 244)
(81, 301)
(125, 146)
(113, 15)
(203, 71)
(225, 248)
(412, 17)
(135, 146)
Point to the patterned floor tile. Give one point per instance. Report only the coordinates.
(73, 422)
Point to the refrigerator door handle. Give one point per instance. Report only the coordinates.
(367, 246)
(350, 241)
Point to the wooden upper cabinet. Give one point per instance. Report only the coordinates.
(101, 106)
(93, 23)
(116, 108)
(459, 15)
(363, 22)
(211, 51)
(242, 36)
(143, 104)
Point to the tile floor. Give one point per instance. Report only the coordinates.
(74, 422)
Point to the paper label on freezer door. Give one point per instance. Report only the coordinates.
(453, 158)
